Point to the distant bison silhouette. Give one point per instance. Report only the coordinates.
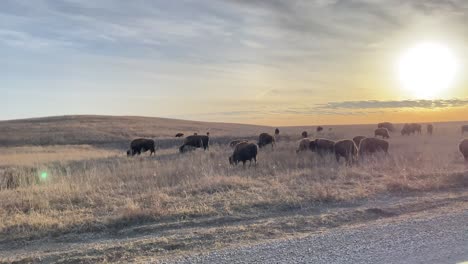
(304, 145)
(265, 139)
(179, 135)
(347, 149)
(195, 141)
(322, 146)
(389, 126)
(412, 128)
(357, 140)
(277, 132)
(139, 145)
(304, 134)
(463, 147)
(233, 143)
(372, 145)
(319, 129)
(383, 132)
(430, 129)
(464, 129)
(244, 152)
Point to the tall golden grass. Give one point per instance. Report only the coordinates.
(90, 193)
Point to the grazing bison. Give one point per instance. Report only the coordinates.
(430, 129)
(243, 152)
(233, 143)
(195, 141)
(372, 145)
(389, 126)
(464, 129)
(346, 149)
(383, 132)
(179, 135)
(412, 128)
(357, 139)
(304, 145)
(304, 134)
(322, 146)
(463, 147)
(319, 129)
(139, 145)
(265, 139)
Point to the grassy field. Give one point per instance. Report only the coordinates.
(57, 190)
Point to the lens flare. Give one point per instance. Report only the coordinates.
(44, 175)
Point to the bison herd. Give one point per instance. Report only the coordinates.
(348, 149)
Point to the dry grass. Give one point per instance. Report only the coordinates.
(35, 155)
(91, 190)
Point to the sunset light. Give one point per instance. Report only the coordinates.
(427, 70)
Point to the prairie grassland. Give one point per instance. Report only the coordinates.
(86, 193)
(36, 156)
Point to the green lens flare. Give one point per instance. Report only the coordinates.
(44, 175)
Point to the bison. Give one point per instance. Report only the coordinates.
(463, 147)
(389, 126)
(178, 135)
(347, 149)
(464, 129)
(304, 134)
(322, 146)
(430, 129)
(233, 143)
(372, 145)
(195, 141)
(383, 132)
(412, 128)
(139, 145)
(265, 139)
(319, 129)
(277, 132)
(243, 152)
(304, 145)
(357, 139)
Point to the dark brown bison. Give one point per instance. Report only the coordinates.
(195, 141)
(304, 145)
(346, 149)
(383, 132)
(233, 143)
(463, 147)
(389, 126)
(357, 140)
(464, 129)
(179, 135)
(412, 128)
(277, 132)
(139, 145)
(430, 129)
(265, 139)
(243, 152)
(304, 134)
(322, 146)
(372, 145)
(319, 129)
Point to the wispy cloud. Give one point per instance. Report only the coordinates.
(373, 104)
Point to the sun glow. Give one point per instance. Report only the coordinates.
(427, 70)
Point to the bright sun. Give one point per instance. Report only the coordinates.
(427, 70)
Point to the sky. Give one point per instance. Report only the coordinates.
(297, 62)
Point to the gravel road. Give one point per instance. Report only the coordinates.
(439, 238)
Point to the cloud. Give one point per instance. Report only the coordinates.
(373, 104)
